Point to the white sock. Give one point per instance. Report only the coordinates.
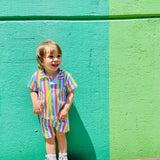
(51, 156)
(63, 155)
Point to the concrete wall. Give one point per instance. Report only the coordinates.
(112, 50)
(134, 89)
(134, 78)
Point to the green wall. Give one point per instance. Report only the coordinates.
(134, 89)
(134, 9)
(112, 50)
(134, 76)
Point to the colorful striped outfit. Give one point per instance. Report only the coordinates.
(52, 94)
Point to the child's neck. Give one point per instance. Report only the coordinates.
(52, 74)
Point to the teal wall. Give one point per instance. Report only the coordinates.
(23, 27)
(112, 50)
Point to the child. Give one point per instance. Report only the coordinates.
(52, 93)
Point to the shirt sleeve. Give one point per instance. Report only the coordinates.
(33, 84)
(71, 83)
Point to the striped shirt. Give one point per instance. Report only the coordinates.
(52, 93)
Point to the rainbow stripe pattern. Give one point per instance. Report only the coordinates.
(49, 127)
(52, 94)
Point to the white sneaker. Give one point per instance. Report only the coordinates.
(62, 156)
(51, 157)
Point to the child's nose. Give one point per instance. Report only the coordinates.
(55, 58)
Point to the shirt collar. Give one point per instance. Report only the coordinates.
(42, 74)
(59, 76)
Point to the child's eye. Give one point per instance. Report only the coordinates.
(50, 56)
(59, 56)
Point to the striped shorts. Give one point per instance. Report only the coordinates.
(49, 127)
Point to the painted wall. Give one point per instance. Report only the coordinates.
(134, 89)
(134, 78)
(112, 50)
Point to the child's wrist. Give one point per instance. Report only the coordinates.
(66, 107)
(35, 103)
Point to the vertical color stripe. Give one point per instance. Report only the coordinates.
(45, 102)
(56, 100)
(50, 102)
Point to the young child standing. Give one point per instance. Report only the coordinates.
(52, 93)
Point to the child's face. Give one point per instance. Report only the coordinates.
(52, 60)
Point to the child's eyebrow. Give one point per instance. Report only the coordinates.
(52, 51)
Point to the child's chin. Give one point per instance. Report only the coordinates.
(56, 68)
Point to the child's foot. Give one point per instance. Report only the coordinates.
(62, 156)
(51, 157)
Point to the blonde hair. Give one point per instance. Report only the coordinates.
(43, 49)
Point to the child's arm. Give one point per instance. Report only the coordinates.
(64, 112)
(37, 105)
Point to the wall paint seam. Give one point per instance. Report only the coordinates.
(78, 18)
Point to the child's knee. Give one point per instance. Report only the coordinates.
(50, 140)
(60, 135)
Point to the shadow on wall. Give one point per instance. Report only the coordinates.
(80, 146)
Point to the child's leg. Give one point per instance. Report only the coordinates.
(51, 149)
(62, 127)
(49, 134)
(51, 145)
(62, 142)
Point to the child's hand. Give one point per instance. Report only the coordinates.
(38, 108)
(63, 114)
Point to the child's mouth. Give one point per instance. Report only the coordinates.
(55, 65)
